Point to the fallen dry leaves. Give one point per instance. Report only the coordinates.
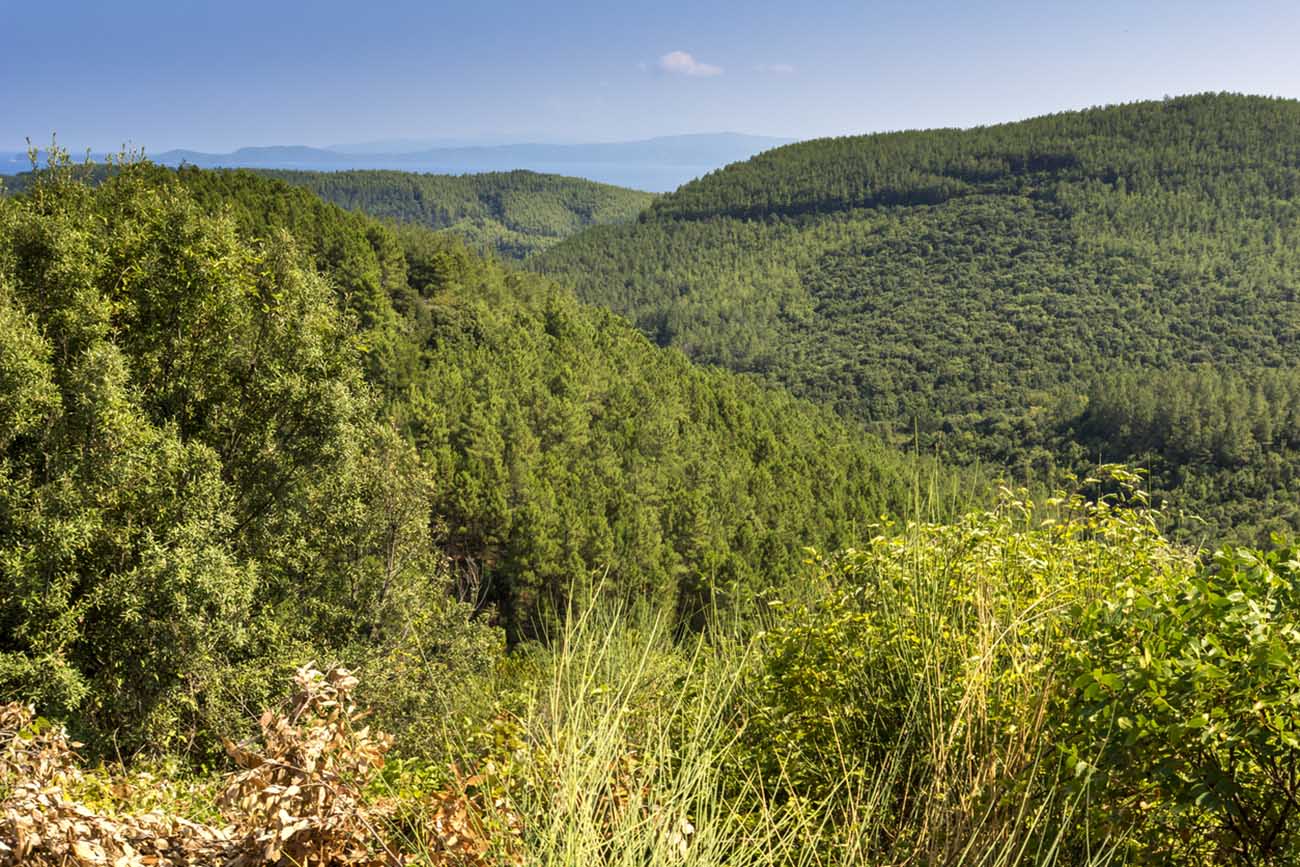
(40, 825)
(298, 799)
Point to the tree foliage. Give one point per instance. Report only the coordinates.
(189, 469)
(243, 428)
(565, 445)
(513, 214)
(1185, 711)
(978, 287)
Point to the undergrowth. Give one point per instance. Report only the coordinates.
(996, 691)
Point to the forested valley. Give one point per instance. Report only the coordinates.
(917, 498)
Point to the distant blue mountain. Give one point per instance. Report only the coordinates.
(414, 145)
(657, 164)
(13, 162)
(273, 157)
(17, 162)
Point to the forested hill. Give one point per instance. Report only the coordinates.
(983, 286)
(513, 214)
(238, 421)
(1176, 145)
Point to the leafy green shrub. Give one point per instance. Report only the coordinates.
(1187, 708)
(909, 691)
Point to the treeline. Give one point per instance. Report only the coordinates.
(1225, 442)
(972, 288)
(513, 214)
(240, 428)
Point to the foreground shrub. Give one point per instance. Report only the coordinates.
(301, 794)
(909, 691)
(1186, 704)
(44, 824)
(306, 796)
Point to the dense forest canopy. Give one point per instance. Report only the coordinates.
(237, 418)
(982, 286)
(513, 214)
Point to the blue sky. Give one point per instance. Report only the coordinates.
(215, 76)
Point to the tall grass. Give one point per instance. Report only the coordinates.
(898, 704)
(934, 746)
(635, 732)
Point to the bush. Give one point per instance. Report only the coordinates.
(1187, 709)
(909, 691)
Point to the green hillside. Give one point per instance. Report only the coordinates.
(514, 213)
(985, 286)
(233, 415)
(279, 482)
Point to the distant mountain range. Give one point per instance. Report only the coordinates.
(656, 164)
(13, 162)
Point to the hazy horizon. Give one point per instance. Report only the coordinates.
(397, 145)
(653, 165)
(217, 78)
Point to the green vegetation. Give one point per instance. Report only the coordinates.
(983, 286)
(562, 443)
(1185, 708)
(510, 214)
(514, 214)
(1223, 442)
(243, 428)
(197, 483)
(610, 607)
(1047, 683)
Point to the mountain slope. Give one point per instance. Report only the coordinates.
(977, 285)
(558, 444)
(514, 214)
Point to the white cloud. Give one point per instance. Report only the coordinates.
(682, 63)
(776, 68)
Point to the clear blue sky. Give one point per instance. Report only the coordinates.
(217, 75)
